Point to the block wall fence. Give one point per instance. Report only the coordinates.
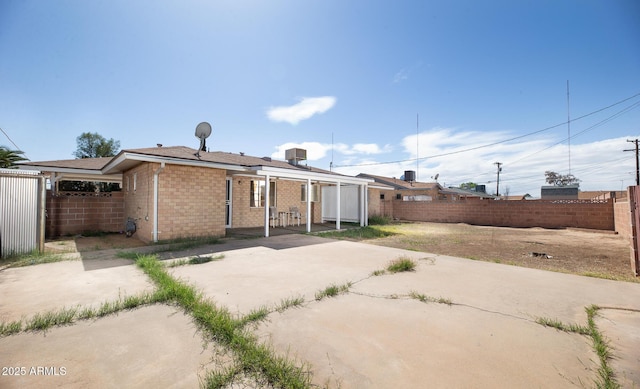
(524, 213)
(71, 213)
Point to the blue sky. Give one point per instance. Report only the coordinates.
(369, 85)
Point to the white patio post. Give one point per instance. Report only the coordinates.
(308, 204)
(338, 205)
(363, 197)
(266, 206)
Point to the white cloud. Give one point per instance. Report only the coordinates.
(306, 108)
(316, 150)
(402, 75)
(457, 156)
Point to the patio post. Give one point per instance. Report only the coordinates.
(308, 204)
(338, 205)
(266, 206)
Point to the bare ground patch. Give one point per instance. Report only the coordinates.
(584, 252)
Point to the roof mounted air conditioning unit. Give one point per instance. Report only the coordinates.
(295, 155)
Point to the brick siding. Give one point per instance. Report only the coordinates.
(287, 195)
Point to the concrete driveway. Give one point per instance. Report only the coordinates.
(375, 336)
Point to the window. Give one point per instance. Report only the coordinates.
(256, 197)
(398, 196)
(315, 193)
(381, 196)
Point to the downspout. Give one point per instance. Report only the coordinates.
(155, 201)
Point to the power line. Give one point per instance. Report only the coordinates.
(494, 143)
(600, 123)
(13, 143)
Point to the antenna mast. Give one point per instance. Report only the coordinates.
(568, 127)
(417, 146)
(331, 163)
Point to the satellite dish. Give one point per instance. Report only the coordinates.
(436, 176)
(203, 131)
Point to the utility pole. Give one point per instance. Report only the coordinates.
(637, 166)
(498, 181)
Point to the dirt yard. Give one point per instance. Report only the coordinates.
(597, 253)
(586, 252)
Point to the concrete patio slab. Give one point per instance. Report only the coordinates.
(356, 341)
(374, 336)
(622, 329)
(32, 289)
(156, 346)
(252, 277)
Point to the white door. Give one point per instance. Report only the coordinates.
(349, 203)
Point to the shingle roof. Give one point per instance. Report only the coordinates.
(400, 184)
(83, 163)
(178, 152)
(189, 154)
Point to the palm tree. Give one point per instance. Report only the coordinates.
(9, 158)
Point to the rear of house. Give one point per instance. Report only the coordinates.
(176, 192)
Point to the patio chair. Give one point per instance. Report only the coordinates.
(273, 216)
(295, 214)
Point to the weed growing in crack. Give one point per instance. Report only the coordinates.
(428, 299)
(332, 291)
(256, 315)
(10, 328)
(606, 378)
(253, 358)
(402, 264)
(197, 260)
(34, 258)
(46, 320)
(379, 273)
(289, 302)
(557, 324)
(128, 255)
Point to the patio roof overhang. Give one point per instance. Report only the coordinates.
(73, 174)
(313, 176)
(127, 160)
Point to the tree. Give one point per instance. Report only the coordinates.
(468, 186)
(557, 179)
(9, 158)
(94, 145)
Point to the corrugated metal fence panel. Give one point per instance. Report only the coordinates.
(18, 211)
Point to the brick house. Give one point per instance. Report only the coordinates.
(175, 192)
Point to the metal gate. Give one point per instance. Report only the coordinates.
(634, 204)
(22, 212)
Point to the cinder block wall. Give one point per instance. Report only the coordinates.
(71, 213)
(622, 216)
(524, 213)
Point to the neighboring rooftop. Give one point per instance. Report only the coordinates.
(397, 183)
